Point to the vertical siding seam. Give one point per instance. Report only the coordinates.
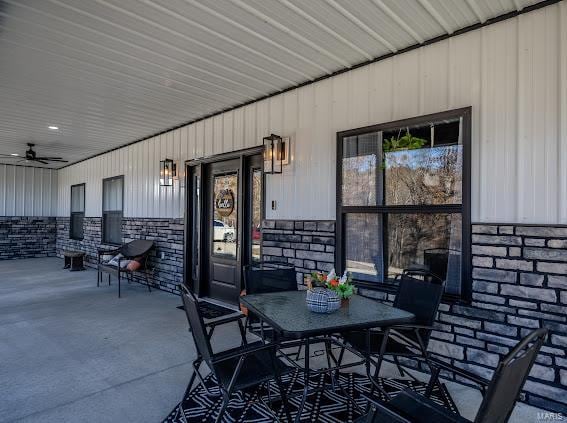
(560, 123)
(517, 123)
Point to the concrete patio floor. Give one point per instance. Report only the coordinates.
(72, 352)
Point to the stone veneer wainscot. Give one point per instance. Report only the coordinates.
(27, 237)
(166, 273)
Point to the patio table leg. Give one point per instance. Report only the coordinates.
(306, 387)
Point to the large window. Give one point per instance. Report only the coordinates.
(112, 205)
(77, 211)
(403, 200)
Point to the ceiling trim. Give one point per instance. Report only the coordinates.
(505, 16)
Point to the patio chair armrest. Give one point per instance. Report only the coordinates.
(483, 382)
(223, 320)
(105, 251)
(245, 352)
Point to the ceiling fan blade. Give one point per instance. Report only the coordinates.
(49, 158)
(40, 161)
(9, 156)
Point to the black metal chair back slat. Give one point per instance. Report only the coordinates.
(509, 378)
(197, 325)
(422, 298)
(263, 280)
(498, 402)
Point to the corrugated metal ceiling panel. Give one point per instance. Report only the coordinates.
(108, 72)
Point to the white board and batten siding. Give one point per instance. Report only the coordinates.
(513, 74)
(27, 191)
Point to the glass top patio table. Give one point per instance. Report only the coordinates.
(287, 313)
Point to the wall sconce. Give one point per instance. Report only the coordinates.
(167, 171)
(276, 153)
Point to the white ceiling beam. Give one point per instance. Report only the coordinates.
(255, 34)
(255, 81)
(200, 43)
(476, 10)
(135, 46)
(399, 21)
(325, 28)
(293, 34)
(221, 96)
(518, 5)
(436, 16)
(362, 25)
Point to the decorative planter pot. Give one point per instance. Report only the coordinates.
(345, 302)
(322, 300)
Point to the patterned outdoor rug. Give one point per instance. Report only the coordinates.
(325, 407)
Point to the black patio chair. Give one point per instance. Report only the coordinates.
(419, 292)
(236, 369)
(138, 249)
(265, 278)
(497, 405)
(260, 279)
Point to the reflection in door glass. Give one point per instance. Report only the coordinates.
(225, 217)
(256, 214)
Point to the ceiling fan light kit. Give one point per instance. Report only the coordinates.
(31, 156)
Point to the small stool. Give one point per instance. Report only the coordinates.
(74, 260)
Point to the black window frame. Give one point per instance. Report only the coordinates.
(464, 208)
(72, 214)
(113, 212)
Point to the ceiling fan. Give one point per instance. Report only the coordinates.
(31, 156)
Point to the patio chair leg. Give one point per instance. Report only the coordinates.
(432, 381)
(283, 395)
(148, 281)
(97, 278)
(223, 408)
(119, 284)
(109, 279)
(328, 353)
(400, 369)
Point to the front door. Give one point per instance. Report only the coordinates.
(224, 229)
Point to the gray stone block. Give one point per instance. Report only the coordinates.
(542, 231)
(328, 226)
(514, 251)
(494, 275)
(482, 357)
(484, 229)
(488, 298)
(508, 264)
(534, 242)
(559, 340)
(465, 340)
(486, 287)
(560, 268)
(527, 292)
(479, 261)
(501, 329)
(447, 349)
(497, 240)
(523, 304)
(506, 230)
(557, 282)
(522, 321)
(550, 254)
(543, 373)
(532, 279)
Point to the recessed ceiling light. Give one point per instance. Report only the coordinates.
(53, 127)
(14, 154)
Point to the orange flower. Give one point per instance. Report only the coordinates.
(334, 283)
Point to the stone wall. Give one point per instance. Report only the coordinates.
(166, 273)
(307, 245)
(519, 284)
(27, 237)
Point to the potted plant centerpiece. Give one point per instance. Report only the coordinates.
(327, 291)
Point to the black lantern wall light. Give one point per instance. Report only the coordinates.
(276, 153)
(167, 172)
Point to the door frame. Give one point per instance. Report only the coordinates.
(200, 287)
